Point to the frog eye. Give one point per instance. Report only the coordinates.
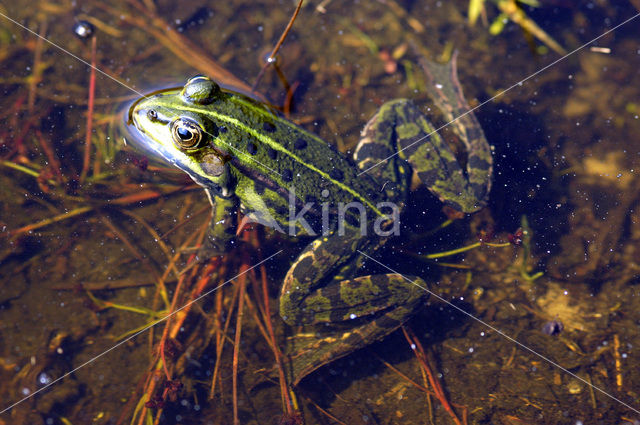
(186, 133)
(200, 90)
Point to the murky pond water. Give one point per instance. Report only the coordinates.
(537, 322)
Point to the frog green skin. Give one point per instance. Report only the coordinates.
(246, 156)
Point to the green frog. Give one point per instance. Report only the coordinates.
(248, 157)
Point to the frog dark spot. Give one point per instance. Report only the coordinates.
(384, 126)
(272, 153)
(272, 204)
(352, 219)
(222, 129)
(479, 163)
(268, 127)
(310, 199)
(252, 148)
(281, 210)
(300, 143)
(210, 127)
(379, 280)
(301, 271)
(428, 177)
(373, 151)
(259, 188)
(336, 174)
(480, 190)
(287, 175)
(386, 322)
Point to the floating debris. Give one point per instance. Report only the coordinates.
(83, 29)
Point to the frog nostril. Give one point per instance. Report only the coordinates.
(152, 115)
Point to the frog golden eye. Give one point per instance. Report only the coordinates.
(186, 133)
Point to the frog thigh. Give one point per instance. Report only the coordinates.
(348, 299)
(321, 260)
(314, 353)
(446, 92)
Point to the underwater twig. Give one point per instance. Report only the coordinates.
(435, 383)
(134, 251)
(526, 251)
(402, 13)
(221, 334)
(242, 281)
(405, 377)
(36, 77)
(183, 48)
(272, 56)
(48, 221)
(156, 237)
(103, 305)
(54, 161)
(22, 168)
(92, 92)
(465, 249)
(186, 221)
(510, 9)
(107, 285)
(284, 388)
(617, 361)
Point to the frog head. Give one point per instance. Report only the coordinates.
(176, 124)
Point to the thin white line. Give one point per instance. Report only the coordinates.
(519, 83)
(137, 333)
(268, 258)
(498, 331)
(71, 54)
(168, 315)
(123, 85)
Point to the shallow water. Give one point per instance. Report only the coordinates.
(116, 227)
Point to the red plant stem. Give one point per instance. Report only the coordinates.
(236, 342)
(36, 76)
(276, 351)
(435, 383)
(92, 90)
(51, 156)
(165, 331)
(275, 50)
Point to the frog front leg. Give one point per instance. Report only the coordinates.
(318, 289)
(222, 228)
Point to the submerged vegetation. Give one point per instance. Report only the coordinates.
(98, 240)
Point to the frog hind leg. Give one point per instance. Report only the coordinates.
(360, 310)
(400, 133)
(375, 156)
(445, 91)
(391, 301)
